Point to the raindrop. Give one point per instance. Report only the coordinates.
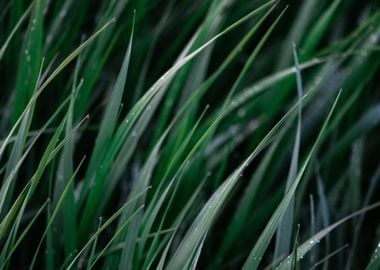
(241, 112)
(373, 38)
(364, 53)
(63, 13)
(49, 38)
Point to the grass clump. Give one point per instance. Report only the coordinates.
(189, 134)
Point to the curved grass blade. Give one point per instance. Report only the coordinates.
(22, 235)
(204, 220)
(314, 240)
(115, 236)
(284, 232)
(109, 121)
(374, 263)
(261, 245)
(101, 229)
(33, 99)
(29, 67)
(14, 30)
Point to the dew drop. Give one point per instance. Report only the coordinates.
(49, 38)
(373, 38)
(63, 13)
(241, 112)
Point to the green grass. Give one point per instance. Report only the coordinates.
(182, 134)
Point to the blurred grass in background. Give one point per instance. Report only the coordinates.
(213, 134)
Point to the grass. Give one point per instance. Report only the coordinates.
(189, 134)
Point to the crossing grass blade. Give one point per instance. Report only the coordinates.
(314, 240)
(14, 31)
(261, 245)
(284, 231)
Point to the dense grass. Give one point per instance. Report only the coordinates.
(210, 134)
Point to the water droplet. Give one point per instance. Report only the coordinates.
(49, 38)
(373, 38)
(241, 112)
(63, 13)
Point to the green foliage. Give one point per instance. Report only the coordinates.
(189, 134)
